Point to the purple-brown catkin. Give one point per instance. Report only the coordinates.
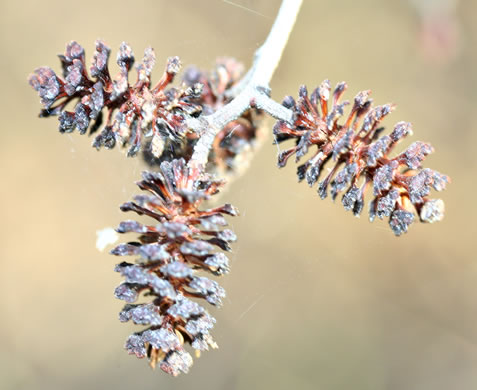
(173, 254)
(133, 111)
(143, 117)
(360, 157)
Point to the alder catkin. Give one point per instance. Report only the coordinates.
(360, 157)
(183, 243)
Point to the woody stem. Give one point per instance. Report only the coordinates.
(253, 90)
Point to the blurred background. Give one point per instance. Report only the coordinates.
(317, 299)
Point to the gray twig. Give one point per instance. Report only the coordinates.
(253, 90)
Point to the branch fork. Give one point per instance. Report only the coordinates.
(253, 91)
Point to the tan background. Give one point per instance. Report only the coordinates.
(317, 299)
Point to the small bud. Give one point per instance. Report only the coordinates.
(303, 92)
(361, 98)
(74, 51)
(400, 221)
(401, 130)
(173, 65)
(44, 81)
(125, 57)
(385, 205)
(324, 90)
(416, 153)
(432, 211)
(135, 346)
(99, 68)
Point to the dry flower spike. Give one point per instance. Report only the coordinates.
(360, 157)
(133, 111)
(143, 117)
(183, 241)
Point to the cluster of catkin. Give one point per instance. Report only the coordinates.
(186, 242)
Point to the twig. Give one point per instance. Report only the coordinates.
(253, 90)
